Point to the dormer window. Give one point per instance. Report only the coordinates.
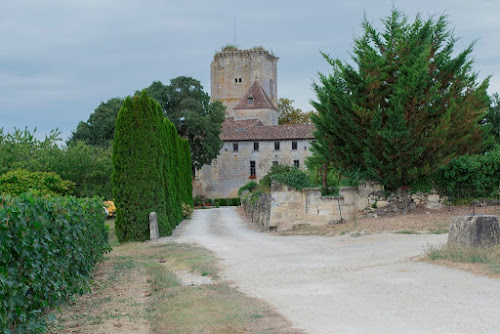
(250, 99)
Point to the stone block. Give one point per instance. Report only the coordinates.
(275, 216)
(382, 204)
(154, 232)
(297, 206)
(433, 198)
(474, 231)
(433, 205)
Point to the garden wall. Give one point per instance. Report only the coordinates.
(287, 207)
(290, 207)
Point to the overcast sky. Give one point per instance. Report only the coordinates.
(60, 58)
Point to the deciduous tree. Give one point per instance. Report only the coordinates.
(288, 114)
(198, 120)
(99, 129)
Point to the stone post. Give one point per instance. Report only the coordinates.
(474, 231)
(153, 226)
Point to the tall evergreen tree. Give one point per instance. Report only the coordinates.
(407, 105)
(138, 169)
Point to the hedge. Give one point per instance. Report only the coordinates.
(48, 249)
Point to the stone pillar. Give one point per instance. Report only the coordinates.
(348, 205)
(153, 226)
(474, 231)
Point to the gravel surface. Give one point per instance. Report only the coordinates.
(367, 284)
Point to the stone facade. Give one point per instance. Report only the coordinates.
(253, 140)
(231, 169)
(232, 73)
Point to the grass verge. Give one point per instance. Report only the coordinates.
(137, 289)
(479, 260)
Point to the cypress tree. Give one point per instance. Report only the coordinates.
(406, 107)
(186, 178)
(138, 164)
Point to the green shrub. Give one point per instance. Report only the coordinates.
(198, 200)
(20, 181)
(249, 186)
(221, 201)
(187, 210)
(471, 176)
(48, 249)
(235, 201)
(294, 178)
(275, 169)
(256, 196)
(217, 204)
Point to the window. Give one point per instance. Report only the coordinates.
(276, 145)
(250, 100)
(296, 163)
(275, 163)
(252, 169)
(235, 79)
(255, 145)
(235, 147)
(239, 80)
(294, 145)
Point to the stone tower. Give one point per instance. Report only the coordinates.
(234, 71)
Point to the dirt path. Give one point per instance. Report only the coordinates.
(345, 284)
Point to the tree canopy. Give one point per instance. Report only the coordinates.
(288, 114)
(99, 129)
(407, 105)
(189, 108)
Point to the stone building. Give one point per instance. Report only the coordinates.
(245, 81)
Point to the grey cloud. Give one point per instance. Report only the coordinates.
(60, 59)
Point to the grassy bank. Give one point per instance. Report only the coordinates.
(156, 288)
(485, 261)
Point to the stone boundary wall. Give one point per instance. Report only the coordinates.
(290, 207)
(258, 211)
(287, 207)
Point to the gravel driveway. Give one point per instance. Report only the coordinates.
(346, 284)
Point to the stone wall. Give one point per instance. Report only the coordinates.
(267, 116)
(378, 203)
(233, 72)
(290, 207)
(258, 211)
(287, 207)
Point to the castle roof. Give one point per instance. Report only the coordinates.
(258, 98)
(254, 130)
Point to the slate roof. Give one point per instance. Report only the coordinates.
(254, 130)
(260, 98)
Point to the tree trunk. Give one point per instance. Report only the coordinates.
(324, 177)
